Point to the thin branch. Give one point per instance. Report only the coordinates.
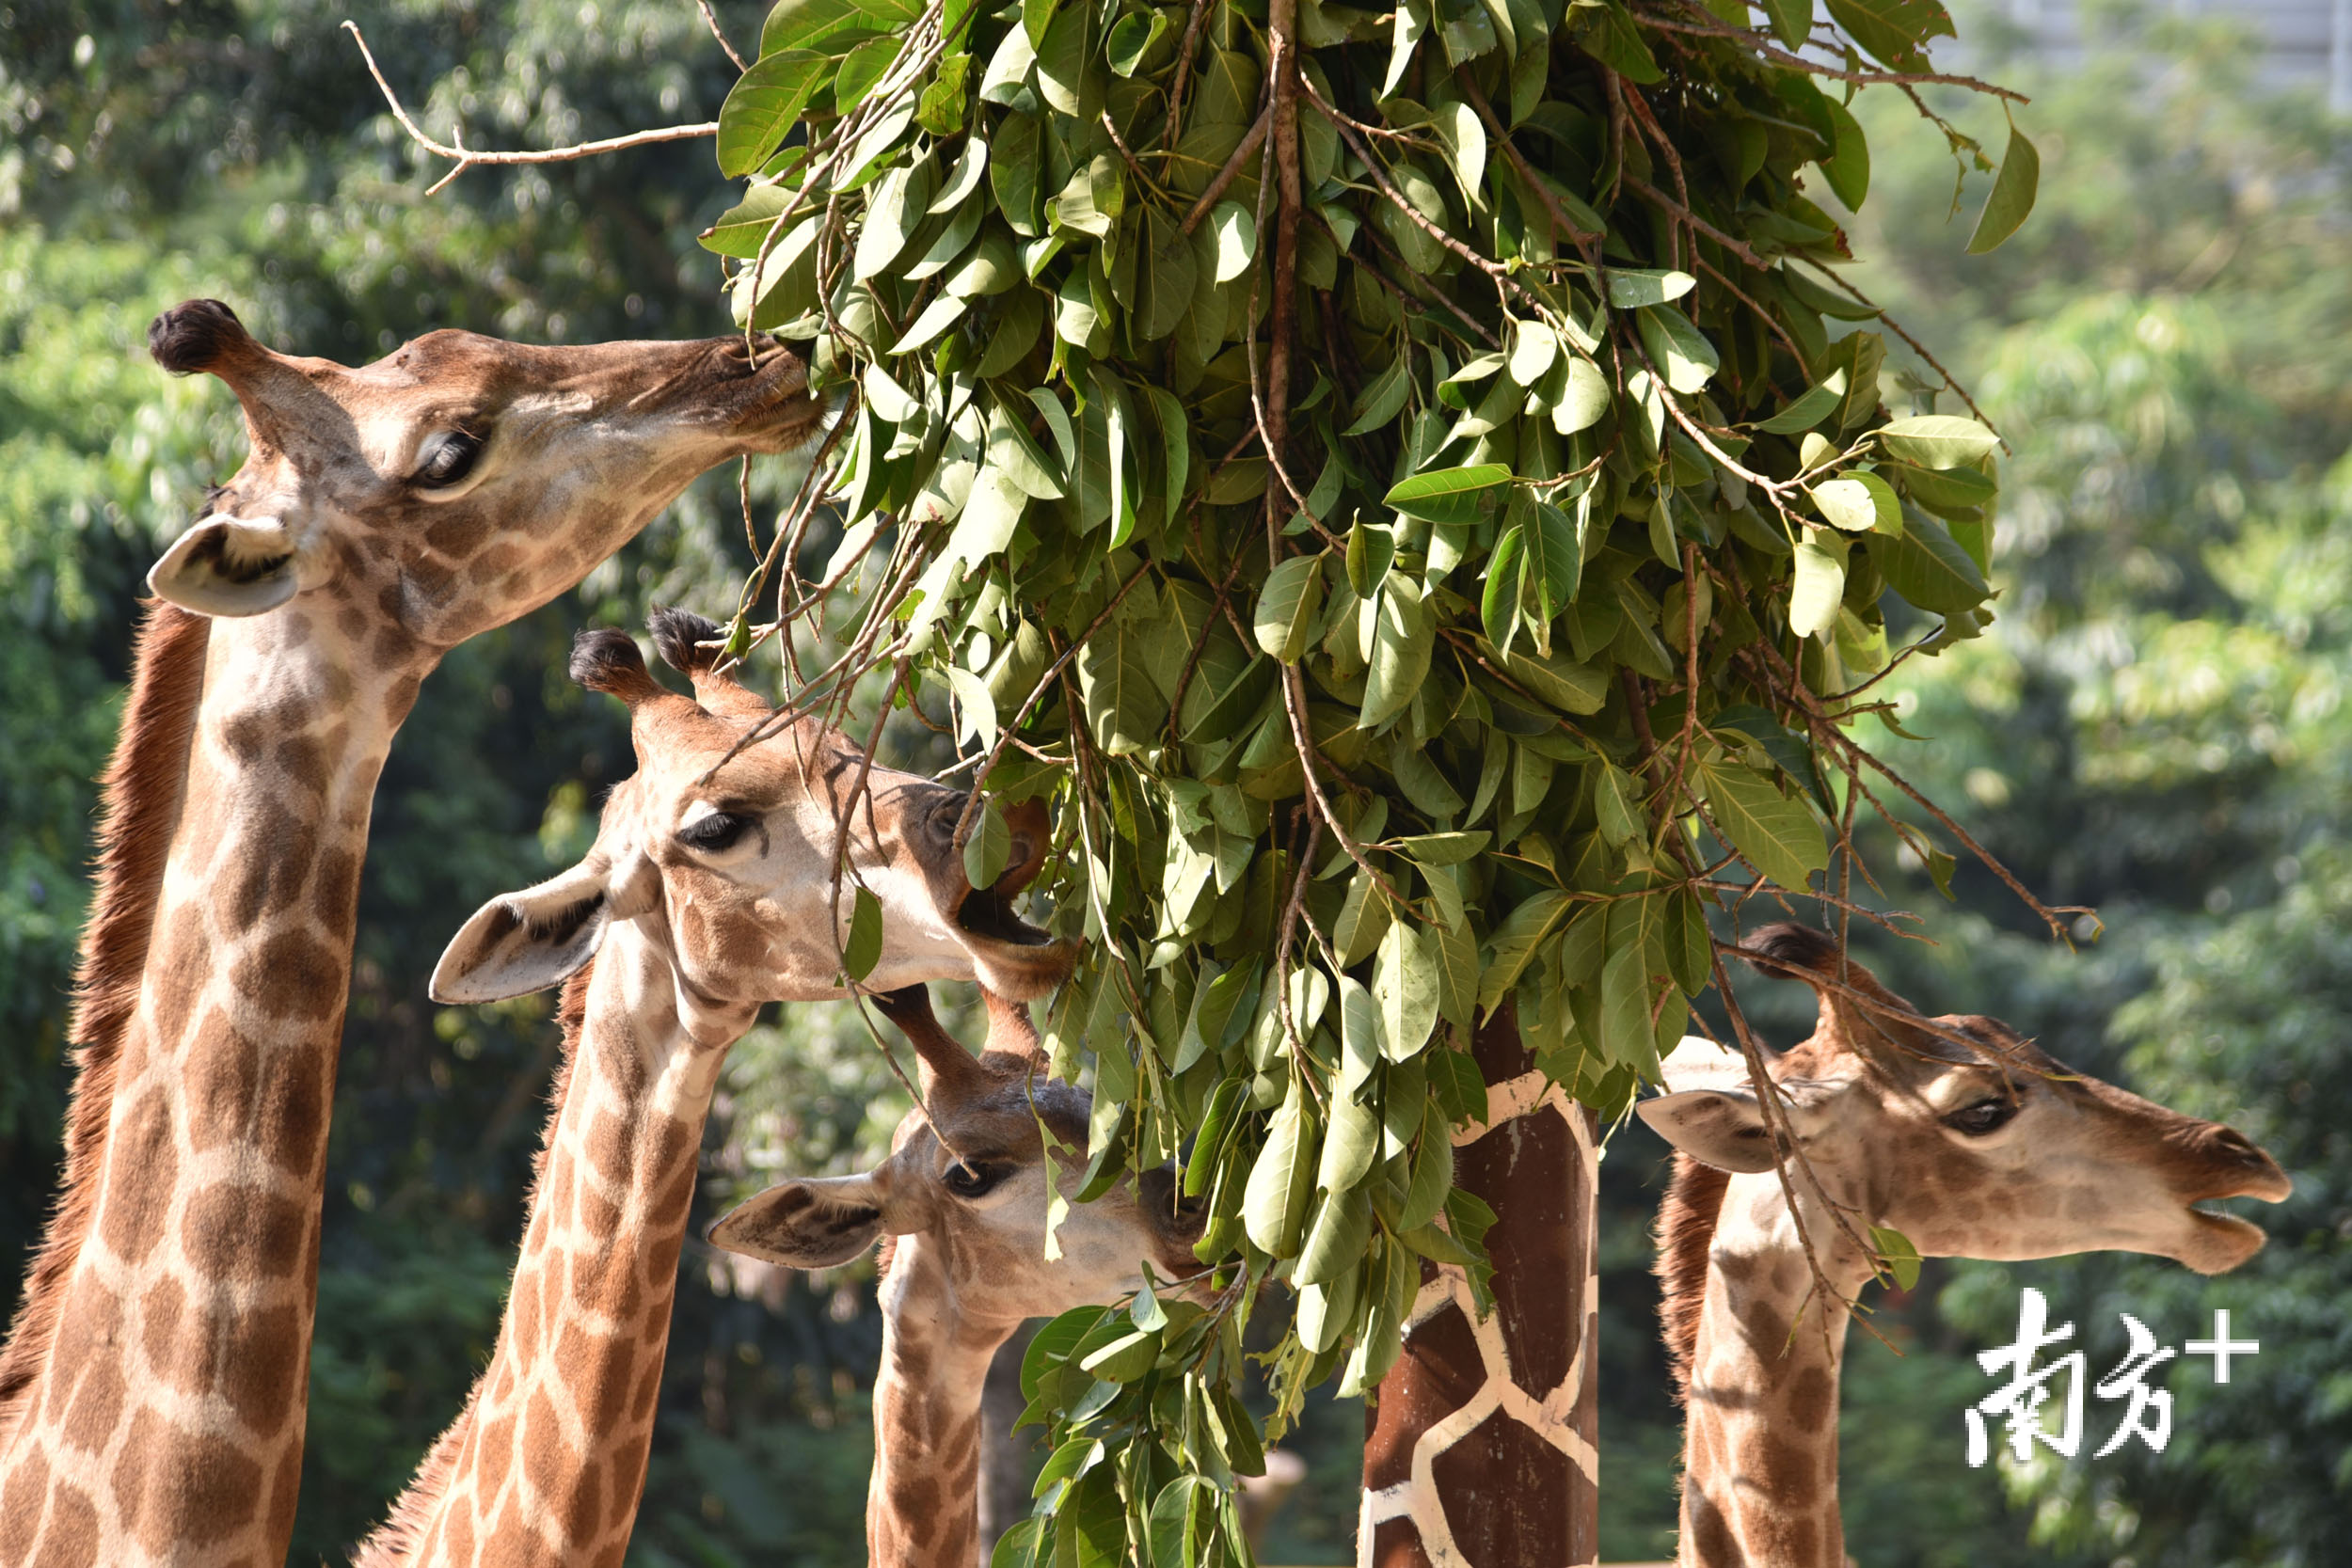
(1232, 171)
(712, 17)
(1712, 28)
(467, 158)
(1952, 382)
(1502, 136)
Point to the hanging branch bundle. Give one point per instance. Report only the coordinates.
(1414, 489)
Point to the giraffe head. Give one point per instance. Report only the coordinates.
(725, 858)
(967, 1174)
(1963, 1134)
(460, 481)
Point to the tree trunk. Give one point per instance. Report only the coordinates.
(1482, 1450)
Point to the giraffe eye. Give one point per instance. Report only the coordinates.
(719, 830)
(448, 460)
(1984, 1116)
(967, 1180)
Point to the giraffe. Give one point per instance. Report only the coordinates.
(1967, 1138)
(152, 1383)
(960, 1205)
(1477, 1451)
(704, 896)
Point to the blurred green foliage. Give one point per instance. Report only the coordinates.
(2155, 726)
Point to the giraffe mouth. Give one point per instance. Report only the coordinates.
(987, 913)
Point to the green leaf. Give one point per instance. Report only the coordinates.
(1896, 1251)
(1893, 31)
(1630, 288)
(1610, 37)
(1433, 1171)
(1570, 687)
(763, 104)
(866, 65)
(1349, 1145)
(1534, 347)
(1405, 983)
(1779, 835)
(1287, 606)
(1498, 601)
(1125, 1359)
(1436, 496)
(2011, 197)
(863, 951)
(1125, 707)
(1937, 440)
(1167, 275)
(1583, 400)
(1848, 167)
(839, 23)
(1927, 567)
(1234, 230)
(1175, 449)
(1273, 1203)
(1554, 559)
(986, 852)
(1381, 401)
(1859, 504)
(743, 229)
(964, 177)
(1131, 37)
(1404, 635)
(1444, 849)
(1690, 952)
(1819, 587)
(1678, 349)
(1614, 802)
(940, 110)
(1792, 21)
(1523, 931)
(1342, 1226)
(1809, 409)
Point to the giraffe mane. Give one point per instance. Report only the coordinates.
(1686, 1233)
(396, 1539)
(139, 804)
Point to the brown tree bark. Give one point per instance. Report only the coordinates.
(1481, 1451)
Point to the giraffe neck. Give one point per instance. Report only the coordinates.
(548, 1461)
(922, 1508)
(1760, 1445)
(154, 1378)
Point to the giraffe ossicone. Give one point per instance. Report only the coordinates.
(152, 1385)
(704, 896)
(961, 1207)
(1955, 1131)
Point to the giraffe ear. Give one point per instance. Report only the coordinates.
(228, 566)
(523, 942)
(814, 1223)
(1721, 1125)
(1717, 1126)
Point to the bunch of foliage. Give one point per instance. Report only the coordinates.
(1392, 479)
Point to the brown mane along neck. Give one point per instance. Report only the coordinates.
(139, 802)
(1686, 1235)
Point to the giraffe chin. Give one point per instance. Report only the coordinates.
(2218, 1243)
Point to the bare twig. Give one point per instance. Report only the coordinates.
(713, 18)
(1713, 28)
(467, 158)
(1232, 171)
